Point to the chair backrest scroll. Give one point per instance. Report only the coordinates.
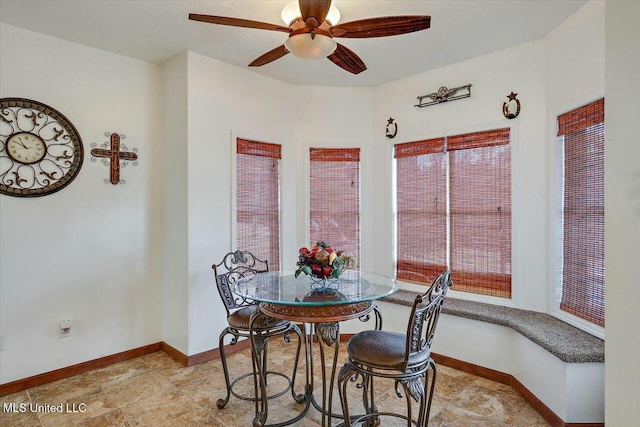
(424, 317)
(233, 267)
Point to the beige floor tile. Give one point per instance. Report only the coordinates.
(236, 413)
(160, 360)
(207, 389)
(160, 409)
(64, 390)
(483, 382)
(18, 412)
(112, 418)
(441, 369)
(132, 389)
(180, 375)
(500, 406)
(451, 386)
(81, 409)
(19, 397)
(530, 418)
(118, 372)
(155, 390)
(195, 418)
(453, 416)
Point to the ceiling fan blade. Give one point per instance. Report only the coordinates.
(270, 56)
(382, 27)
(345, 58)
(235, 22)
(317, 9)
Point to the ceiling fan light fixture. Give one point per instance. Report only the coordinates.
(307, 47)
(291, 12)
(310, 39)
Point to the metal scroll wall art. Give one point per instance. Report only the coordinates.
(115, 154)
(511, 108)
(444, 94)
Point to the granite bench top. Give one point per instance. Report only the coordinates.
(568, 343)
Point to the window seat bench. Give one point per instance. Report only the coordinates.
(566, 342)
(556, 367)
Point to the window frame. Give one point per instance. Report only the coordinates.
(307, 193)
(556, 219)
(516, 201)
(234, 188)
(493, 283)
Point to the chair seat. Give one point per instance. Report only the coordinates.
(383, 349)
(239, 319)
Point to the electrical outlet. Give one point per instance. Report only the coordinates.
(65, 328)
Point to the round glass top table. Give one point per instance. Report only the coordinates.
(306, 299)
(323, 304)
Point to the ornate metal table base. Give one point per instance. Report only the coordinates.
(324, 323)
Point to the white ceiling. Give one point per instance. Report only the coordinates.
(156, 30)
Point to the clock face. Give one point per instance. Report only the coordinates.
(40, 150)
(26, 148)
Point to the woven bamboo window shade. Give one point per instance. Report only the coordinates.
(583, 276)
(479, 213)
(258, 199)
(421, 210)
(334, 188)
(480, 204)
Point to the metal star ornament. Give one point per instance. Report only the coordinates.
(392, 128)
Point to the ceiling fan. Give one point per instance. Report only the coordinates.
(312, 27)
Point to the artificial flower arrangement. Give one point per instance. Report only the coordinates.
(323, 262)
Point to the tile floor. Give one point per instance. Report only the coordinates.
(154, 390)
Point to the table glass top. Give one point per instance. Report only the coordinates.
(281, 287)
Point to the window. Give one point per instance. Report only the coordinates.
(480, 212)
(334, 199)
(258, 199)
(581, 133)
(454, 209)
(421, 210)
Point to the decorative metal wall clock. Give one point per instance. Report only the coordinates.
(40, 150)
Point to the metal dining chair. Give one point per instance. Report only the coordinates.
(233, 267)
(405, 358)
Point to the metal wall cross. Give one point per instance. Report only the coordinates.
(115, 155)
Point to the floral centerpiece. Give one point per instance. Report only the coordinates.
(323, 262)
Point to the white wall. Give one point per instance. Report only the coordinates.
(175, 277)
(333, 117)
(224, 101)
(90, 252)
(622, 213)
(520, 69)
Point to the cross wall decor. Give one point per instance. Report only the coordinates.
(114, 155)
